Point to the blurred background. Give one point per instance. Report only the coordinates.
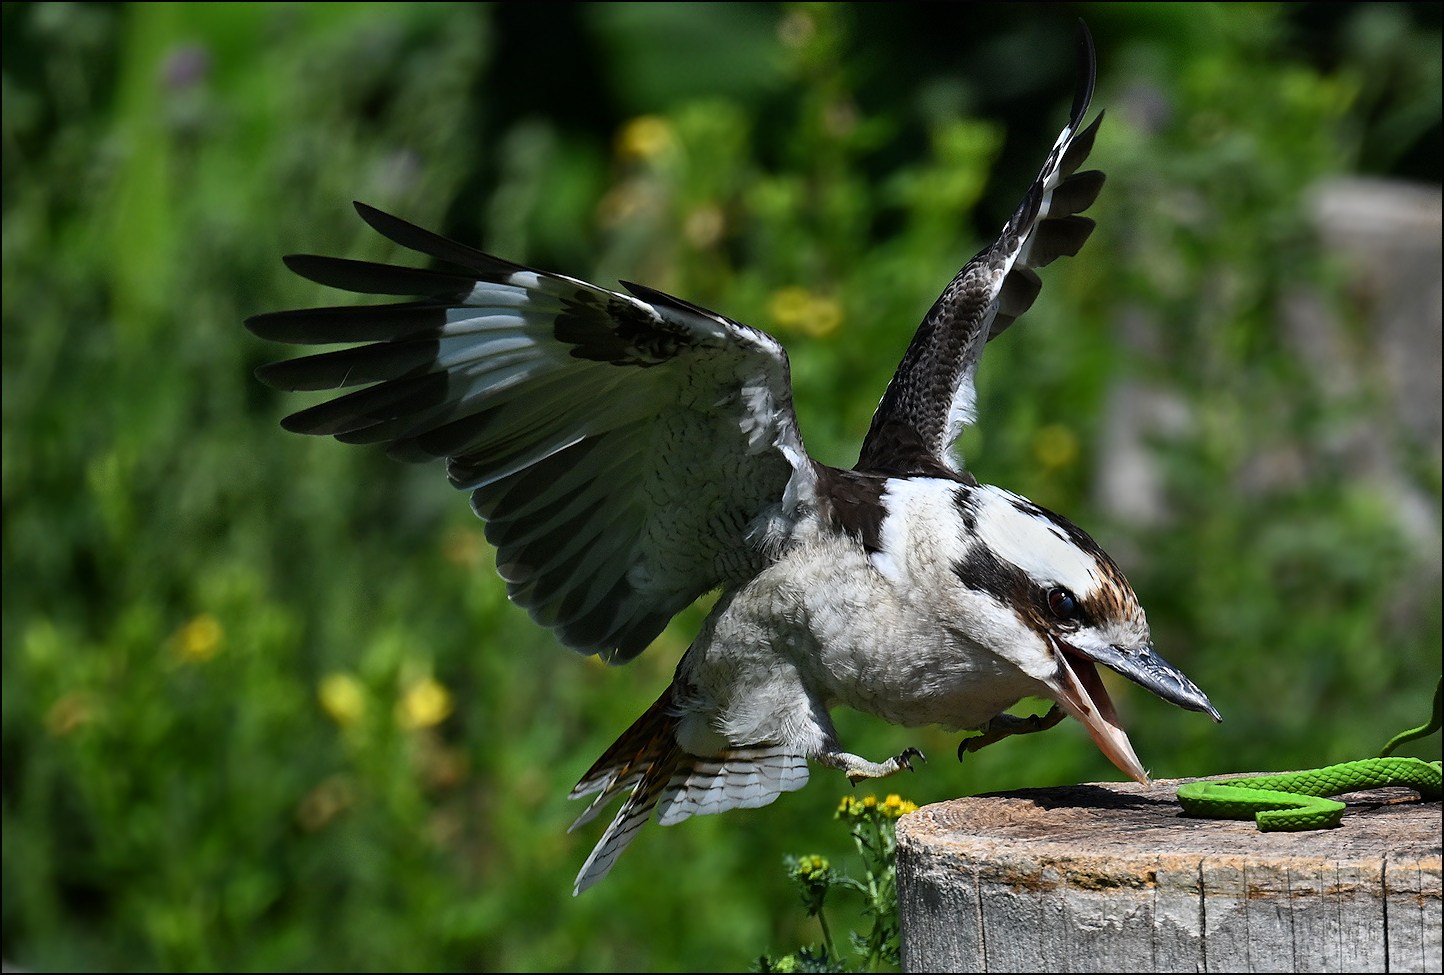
(265, 703)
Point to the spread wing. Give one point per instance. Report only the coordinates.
(627, 452)
(931, 397)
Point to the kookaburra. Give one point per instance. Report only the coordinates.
(631, 452)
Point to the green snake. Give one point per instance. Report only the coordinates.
(1295, 800)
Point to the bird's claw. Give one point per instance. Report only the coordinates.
(905, 759)
(1002, 726)
(858, 769)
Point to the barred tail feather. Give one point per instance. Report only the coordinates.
(619, 835)
(743, 779)
(662, 776)
(649, 743)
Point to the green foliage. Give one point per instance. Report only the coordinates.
(873, 829)
(265, 705)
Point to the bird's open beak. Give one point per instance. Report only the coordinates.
(1081, 693)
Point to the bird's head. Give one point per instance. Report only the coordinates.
(1060, 606)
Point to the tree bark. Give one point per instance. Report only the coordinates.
(1113, 877)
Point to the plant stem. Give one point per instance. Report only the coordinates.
(827, 936)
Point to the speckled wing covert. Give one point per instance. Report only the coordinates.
(931, 397)
(622, 449)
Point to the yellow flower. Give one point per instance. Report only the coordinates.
(343, 698)
(811, 868)
(198, 640)
(425, 703)
(645, 137)
(797, 308)
(894, 806)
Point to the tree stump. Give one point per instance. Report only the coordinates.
(1112, 877)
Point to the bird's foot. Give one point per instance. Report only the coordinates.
(857, 768)
(1002, 726)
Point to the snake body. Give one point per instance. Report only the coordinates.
(1294, 800)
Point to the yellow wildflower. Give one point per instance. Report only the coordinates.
(811, 868)
(894, 806)
(425, 703)
(198, 640)
(645, 137)
(343, 698)
(795, 307)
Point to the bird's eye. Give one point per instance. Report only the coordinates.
(1063, 604)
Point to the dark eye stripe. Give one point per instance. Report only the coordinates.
(982, 571)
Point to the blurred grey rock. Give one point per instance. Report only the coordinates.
(1388, 234)
(1385, 371)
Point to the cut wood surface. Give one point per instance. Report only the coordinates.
(1113, 877)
